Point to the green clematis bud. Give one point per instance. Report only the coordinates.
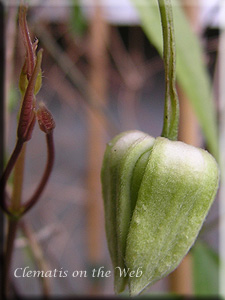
(157, 193)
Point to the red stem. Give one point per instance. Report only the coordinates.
(45, 177)
(7, 172)
(12, 229)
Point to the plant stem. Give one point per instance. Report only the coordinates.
(13, 222)
(45, 177)
(12, 229)
(7, 172)
(171, 110)
(11, 162)
(38, 256)
(18, 181)
(17, 159)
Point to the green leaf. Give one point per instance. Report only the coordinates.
(77, 20)
(192, 74)
(206, 270)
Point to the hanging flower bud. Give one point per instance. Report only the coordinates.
(45, 119)
(157, 194)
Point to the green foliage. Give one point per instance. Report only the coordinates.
(13, 99)
(77, 21)
(206, 270)
(191, 71)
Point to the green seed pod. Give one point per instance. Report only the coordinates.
(157, 194)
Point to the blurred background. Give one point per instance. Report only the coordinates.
(102, 74)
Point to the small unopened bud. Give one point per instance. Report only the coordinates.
(45, 119)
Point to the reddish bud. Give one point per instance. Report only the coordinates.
(45, 119)
(30, 59)
(28, 104)
(30, 48)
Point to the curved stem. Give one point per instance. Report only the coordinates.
(171, 110)
(45, 177)
(6, 174)
(12, 229)
(18, 179)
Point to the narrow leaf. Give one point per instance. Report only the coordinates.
(206, 270)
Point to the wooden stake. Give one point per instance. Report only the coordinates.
(96, 142)
(180, 281)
